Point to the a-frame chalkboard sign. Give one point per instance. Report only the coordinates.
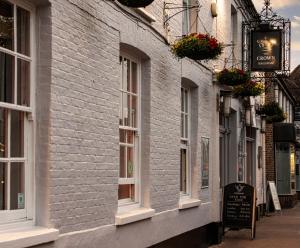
(239, 203)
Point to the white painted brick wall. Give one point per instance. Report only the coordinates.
(83, 132)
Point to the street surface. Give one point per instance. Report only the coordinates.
(276, 231)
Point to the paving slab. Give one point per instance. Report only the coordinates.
(275, 231)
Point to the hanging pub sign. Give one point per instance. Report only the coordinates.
(266, 50)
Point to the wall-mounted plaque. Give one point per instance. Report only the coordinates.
(239, 207)
(266, 50)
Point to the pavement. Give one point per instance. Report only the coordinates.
(275, 231)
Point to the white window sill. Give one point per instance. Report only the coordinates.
(134, 215)
(189, 203)
(27, 236)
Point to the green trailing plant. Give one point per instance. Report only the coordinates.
(251, 88)
(273, 112)
(136, 3)
(197, 47)
(233, 77)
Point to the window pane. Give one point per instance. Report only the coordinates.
(122, 162)
(182, 100)
(133, 111)
(126, 192)
(126, 136)
(125, 109)
(130, 164)
(186, 128)
(130, 137)
(186, 104)
(17, 134)
(128, 75)
(182, 125)
(122, 136)
(121, 110)
(185, 21)
(7, 71)
(3, 183)
(23, 83)
(17, 186)
(183, 164)
(3, 133)
(134, 78)
(6, 25)
(23, 31)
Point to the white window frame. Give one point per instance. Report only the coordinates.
(26, 214)
(186, 17)
(209, 162)
(185, 141)
(127, 204)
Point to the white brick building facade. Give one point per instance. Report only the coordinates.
(76, 123)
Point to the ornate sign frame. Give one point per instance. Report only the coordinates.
(268, 20)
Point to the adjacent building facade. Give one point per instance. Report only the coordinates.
(281, 143)
(108, 140)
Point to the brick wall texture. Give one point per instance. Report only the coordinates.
(79, 46)
(270, 157)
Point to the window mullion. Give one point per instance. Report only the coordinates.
(15, 57)
(121, 93)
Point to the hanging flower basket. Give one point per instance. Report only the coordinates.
(197, 47)
(136, 3)
(233, 77)
(251, 88)
(273, 112)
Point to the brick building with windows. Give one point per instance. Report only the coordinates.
(280, 142)
(107, 140)
(293, 86)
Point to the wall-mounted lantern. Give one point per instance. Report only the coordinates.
(227, 104)
(248, 117)
(263, 124)
(214, 8)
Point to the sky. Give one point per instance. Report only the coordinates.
(289, 9)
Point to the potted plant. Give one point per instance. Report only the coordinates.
(136, 3)
(233, 77)
(251, 88)
(197, 47)
(273, 112)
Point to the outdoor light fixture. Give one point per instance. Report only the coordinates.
(276, 92)
(248, 117)
(214, 9)
(214, 75)
(263, 124)
(227, 104)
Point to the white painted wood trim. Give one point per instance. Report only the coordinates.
(189, 203)
(27, 237)
(134, 215)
